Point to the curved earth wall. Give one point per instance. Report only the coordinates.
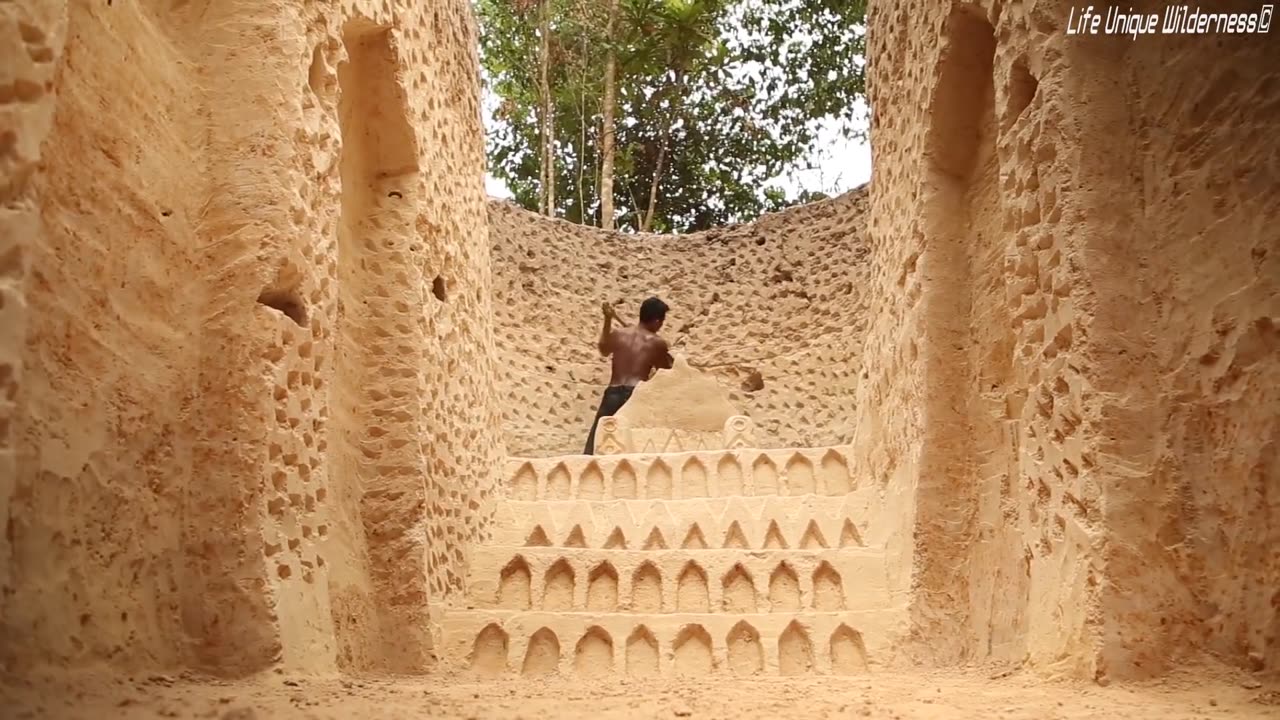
(248, 409)
(774, 309)
(262, 341)
(1073, 339)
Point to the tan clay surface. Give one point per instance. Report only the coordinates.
(680, 398)
(676, 410)
(1072, 353)
(286, 403)
(920, 695)
(764, 308)
(260, 264)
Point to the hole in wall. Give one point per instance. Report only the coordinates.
(317, 74)
(1022, 90)
(11, 262)
(287, 302)
(439, 290)
(963, 89)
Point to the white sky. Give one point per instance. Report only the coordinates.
(841, 164)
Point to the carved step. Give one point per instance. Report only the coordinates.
(678, 581)
(666, 476)
(535, 643)
(861, 518)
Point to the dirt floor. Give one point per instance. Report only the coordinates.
(934, 695)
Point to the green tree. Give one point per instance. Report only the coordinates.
(714, 99)
(685, 39)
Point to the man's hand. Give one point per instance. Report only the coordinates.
(609, 312)
(605, 343)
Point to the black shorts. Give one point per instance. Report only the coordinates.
(615, 396)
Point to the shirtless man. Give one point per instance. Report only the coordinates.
(636, 351)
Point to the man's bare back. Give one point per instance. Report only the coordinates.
(637, 352)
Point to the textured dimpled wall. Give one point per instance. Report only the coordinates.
(890, 399)
(264, 344)
(382, 187)
(109, 357)
(31, 36)
(257, 425)
(775, 310)
(1185, 261)
(1078, 233)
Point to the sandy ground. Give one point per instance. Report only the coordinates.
(934, 695)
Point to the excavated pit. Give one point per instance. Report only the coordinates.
(290, 413)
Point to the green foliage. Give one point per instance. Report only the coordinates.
(735, 89)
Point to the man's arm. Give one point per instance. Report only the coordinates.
(605, 345)
(665, 361)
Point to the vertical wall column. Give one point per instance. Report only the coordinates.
(31, 36)
(383, 299)
(988, 372)
(258, 507)
(1179, 247)
(459, 408)
(109, 344)
(958, 141)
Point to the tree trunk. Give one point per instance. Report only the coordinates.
(582, 140)
(636, 216)
(595, 168)
(657, 177)
(548, 120)
(607, 122)
(542, 145)
(674, 95)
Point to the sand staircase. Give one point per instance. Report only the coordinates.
(732, 561)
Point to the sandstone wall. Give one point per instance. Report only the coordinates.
(249, 413)
(31, 37)
(773, 308)
(257, 422)
(1185, 259)
(1077, 231)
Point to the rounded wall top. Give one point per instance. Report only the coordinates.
(682, 398)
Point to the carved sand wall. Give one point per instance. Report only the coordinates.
(1185, 339)
(678, 564)
(257, 419)
(31, 37)
(260, 357)
(103, 450)
(1073, 339)
(774, 309)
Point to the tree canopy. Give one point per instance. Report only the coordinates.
(715, 100)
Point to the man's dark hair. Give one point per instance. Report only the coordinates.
(652, 309)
